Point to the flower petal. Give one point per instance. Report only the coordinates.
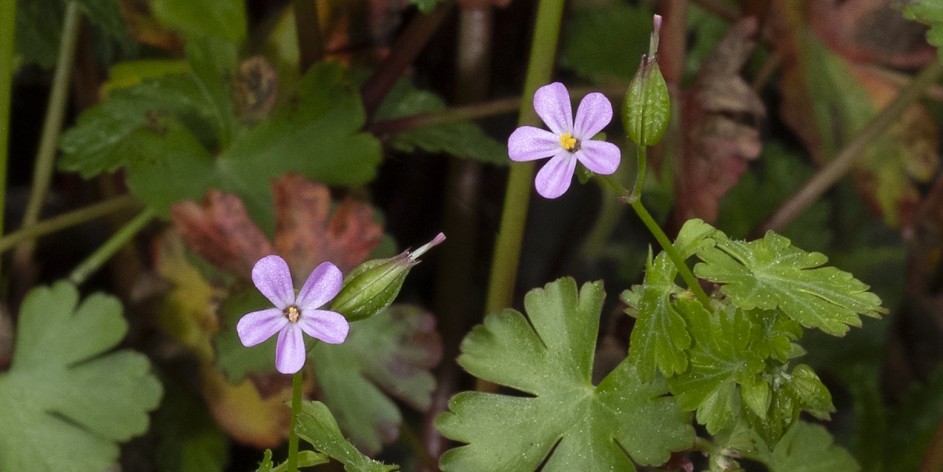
(593, 114)
(600, 157)
(290, 351)
(272, 277)
(554, 177)
(322, 285)
(552, 104)
(328, 326)
(255, 327)
(528, 143)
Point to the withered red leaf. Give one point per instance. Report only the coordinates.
(308, 231)
(721, 116)
(221, 231)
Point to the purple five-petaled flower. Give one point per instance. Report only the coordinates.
(567, 141)
(293, 313)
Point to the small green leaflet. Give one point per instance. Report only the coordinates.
(721, 359)
(809, 448)
(770, 273)
(660, 335)
(317, 426)
(565, 423)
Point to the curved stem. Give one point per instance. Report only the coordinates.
(292, 461)
(58, 99)
(116, 242)
(67, 220)
(673, 253)
(634, 200)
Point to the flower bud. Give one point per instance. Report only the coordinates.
(647, 108)
(373, 285)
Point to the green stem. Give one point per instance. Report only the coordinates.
(673, 253)
(7, 51)
(67, 220)
(703, 445)
(111, 246)
(292, 435)
(507, 250)
(634, 199)
(58, 99)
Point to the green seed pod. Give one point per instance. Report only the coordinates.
(647, 107)
(374, 285)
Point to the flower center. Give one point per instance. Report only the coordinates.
(293, 313)
(568, 142)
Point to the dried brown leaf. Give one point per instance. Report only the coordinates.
(721, 115)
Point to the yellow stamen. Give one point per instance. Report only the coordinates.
(292, 313)
(568, 142)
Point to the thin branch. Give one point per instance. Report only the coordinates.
(404, 53)
(843, 161)
(98, 258)
(67, 220)
(52, 126)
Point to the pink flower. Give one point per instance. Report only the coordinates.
(293, 313)
(567, 141)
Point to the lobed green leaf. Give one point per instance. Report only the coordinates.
(65, 403)
(772, 274)
(566, 423)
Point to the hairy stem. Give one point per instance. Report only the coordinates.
(836, 168)
(110, 247)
